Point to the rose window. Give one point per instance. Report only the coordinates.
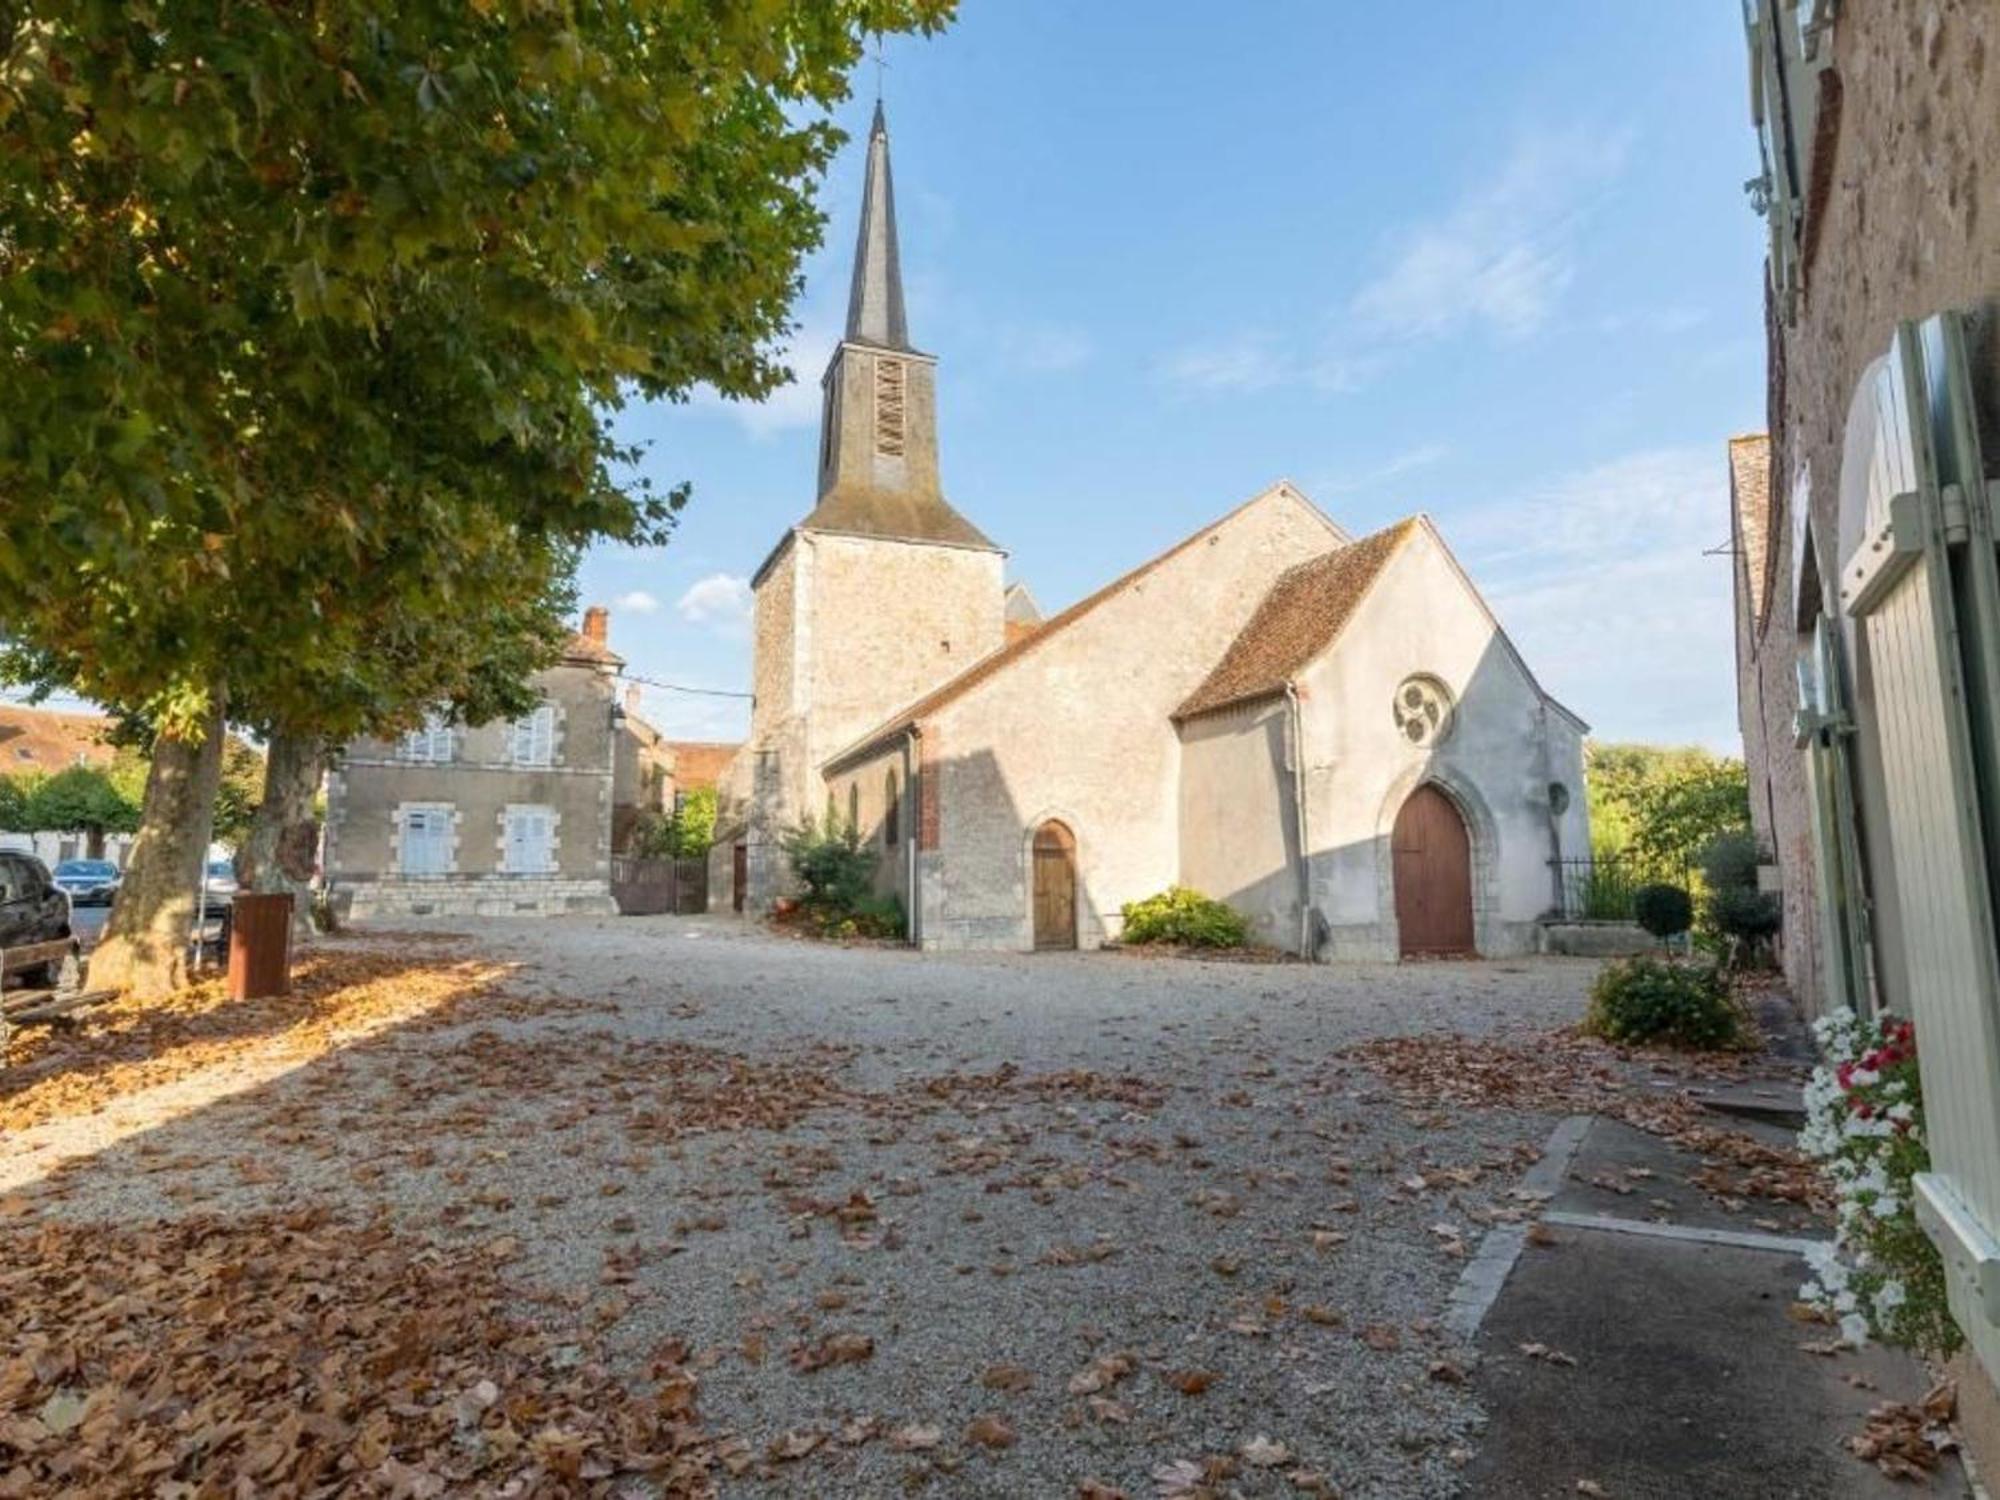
(1422, 707)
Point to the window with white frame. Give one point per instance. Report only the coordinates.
(530, 847)
(430, 744)
(426, 837)
(532, 738)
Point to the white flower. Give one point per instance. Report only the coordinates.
(1889, 1296)
(1854, 1328)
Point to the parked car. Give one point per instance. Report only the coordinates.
(220, 881)
(88, 882)
(35, 940)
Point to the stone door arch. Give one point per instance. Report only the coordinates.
(1431, 856)
(1054, 855)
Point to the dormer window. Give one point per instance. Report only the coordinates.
(889, 407)
(431, 744)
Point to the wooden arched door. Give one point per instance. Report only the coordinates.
(1055, 887)
(1432, 854)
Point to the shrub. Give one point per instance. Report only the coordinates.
(832, 865)
(1865, 1122)
(1663, 910)
(1655, 1000)
(1179, 915)
(1748, 915)
(1729, 861)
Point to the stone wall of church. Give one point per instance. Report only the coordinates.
(1078, 730)
(1239, 816)
(1496, 761)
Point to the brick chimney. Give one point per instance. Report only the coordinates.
(634, 696)
(596, 624)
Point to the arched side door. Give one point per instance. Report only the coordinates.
(1054, 887)
(1432, 856)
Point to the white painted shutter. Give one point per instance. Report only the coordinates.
(535, 737)
(1924, 585)
(530, 840)
(426, 842)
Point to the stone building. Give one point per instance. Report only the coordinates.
(1333, 735)
(492, 820)
(1868, 596)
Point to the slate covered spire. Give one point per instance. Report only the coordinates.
(875, 304)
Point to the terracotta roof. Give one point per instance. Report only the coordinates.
(42, 739)
(582, 650)
(899, 515)
(699, 764)
(1299, 618)
(1014, 650)
(1750, 498)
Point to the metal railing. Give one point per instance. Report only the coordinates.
(1600, 889)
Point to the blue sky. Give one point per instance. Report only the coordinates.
(1489, 262)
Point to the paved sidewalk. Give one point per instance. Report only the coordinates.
(1688, 1377)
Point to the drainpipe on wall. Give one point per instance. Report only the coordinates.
(1549, 805)
(912, 827)
(1296, 726)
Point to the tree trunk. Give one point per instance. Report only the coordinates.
(279, 854)
(145, 947)
(93, 841)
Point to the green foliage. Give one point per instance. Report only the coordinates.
(1666, 911)
(80, 798)
(1748, 915)
(1646, 999)
(1181, 916)
(241, 790)
(1658, 806)
(1729, 861)
(835, 867)
(14, 804)
(694, 823)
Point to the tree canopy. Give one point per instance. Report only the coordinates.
(1661, 805)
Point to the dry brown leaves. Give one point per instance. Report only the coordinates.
(126, 1045)
(292, 1355)
(1904, 1441)
(1562, 1073)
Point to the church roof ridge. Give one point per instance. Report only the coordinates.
(1306, 608)
(997, 660)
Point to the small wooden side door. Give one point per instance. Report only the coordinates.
(1055, 887)
(1432, 855)
(739, 875)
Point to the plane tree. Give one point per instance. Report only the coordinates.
(312, 316)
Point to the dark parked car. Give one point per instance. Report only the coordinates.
(88, 882)
(35, 941)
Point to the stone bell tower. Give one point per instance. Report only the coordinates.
(884, 591)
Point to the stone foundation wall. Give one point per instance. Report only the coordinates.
(489, 896)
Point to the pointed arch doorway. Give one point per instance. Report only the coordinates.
(1431, 853)
(1055, 886)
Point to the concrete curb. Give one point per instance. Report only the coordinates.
(1480, 1282)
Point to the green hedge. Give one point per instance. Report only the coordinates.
(1188, 918)
(1656, 1000)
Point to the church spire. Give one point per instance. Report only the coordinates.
(875, 304)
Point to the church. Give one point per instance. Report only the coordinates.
(1331, 733)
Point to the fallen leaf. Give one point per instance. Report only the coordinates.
(1263, 1453)
(1192, 1382)
(990, 1431)
(1010, 1378)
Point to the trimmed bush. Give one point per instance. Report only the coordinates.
(1746, 914)
(1729, 861)
(1666, 911)
(1656, 1000)
(837, 871)
(1179, 915)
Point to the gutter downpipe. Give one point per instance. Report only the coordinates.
(1297, 726)
(912, 835)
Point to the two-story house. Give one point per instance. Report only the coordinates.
(498, 819)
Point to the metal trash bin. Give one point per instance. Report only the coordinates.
(260, 946)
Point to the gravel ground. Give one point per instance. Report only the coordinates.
(882, 1195)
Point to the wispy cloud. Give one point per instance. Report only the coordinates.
(1391, 468)
(1041, 348)
(1256, 361)
(1601, 578)
(1503, 255)
(720, 601)
(638, 602)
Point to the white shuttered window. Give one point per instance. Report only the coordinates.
(530, 840)
(426, 838)
(533, 739)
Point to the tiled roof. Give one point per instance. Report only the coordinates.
(699, 764)
(41, 739)
(899, 515)
(1013, 650)
(1750, 496)
(1298, 619)
(581, 649)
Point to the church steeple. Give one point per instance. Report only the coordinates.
(878, 456)
(875, 304)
